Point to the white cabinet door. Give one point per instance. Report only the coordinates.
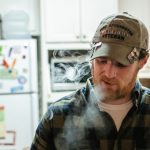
(61, 20)
(74, 20)
(92, 12)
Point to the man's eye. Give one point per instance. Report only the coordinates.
(120, 65)
(102, 61)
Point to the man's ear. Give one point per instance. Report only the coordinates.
(143, 61)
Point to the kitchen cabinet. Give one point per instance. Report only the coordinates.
(74, 20)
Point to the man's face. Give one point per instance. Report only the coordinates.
(112, 80)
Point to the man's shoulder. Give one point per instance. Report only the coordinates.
(72, 102)
(68, 106)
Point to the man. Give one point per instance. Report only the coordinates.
(112, 112)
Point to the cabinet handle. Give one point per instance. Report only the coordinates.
(77, 36)
(84, 36)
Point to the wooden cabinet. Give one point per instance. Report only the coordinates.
(74, 20)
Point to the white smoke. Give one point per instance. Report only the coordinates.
(99, 93)
(78, 127)
(73, 66)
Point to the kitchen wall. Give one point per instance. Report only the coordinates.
(138, 8)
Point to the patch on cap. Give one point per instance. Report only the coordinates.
(134, 55)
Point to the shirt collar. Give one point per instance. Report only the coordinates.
(136, 90)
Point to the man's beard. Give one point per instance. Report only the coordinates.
(118, 91)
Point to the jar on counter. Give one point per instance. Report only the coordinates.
(16, 25)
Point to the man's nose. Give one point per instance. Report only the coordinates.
(110, 70)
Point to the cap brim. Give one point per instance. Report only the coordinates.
(115, 51)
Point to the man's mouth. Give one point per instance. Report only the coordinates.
(109, 82)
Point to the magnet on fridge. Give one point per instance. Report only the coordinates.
(1, 49)
(16, 89)
(10, 51)
(22, 79)
(2, 122)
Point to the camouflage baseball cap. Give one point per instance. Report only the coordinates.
(120, 37)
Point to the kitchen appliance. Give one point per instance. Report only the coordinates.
(69, 72)
(18, 92)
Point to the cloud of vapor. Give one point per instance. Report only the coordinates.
(73, 66)
(78, 128)
(66, 53)
(99, 93)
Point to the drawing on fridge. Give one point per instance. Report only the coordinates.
(18, 93)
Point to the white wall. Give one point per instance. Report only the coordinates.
(31, 7)
(138, 8)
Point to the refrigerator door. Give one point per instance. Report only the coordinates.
(18, 66)
(20, 119)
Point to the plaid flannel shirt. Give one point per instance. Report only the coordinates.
(76, 123)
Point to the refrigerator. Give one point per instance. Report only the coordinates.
(18, 93)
